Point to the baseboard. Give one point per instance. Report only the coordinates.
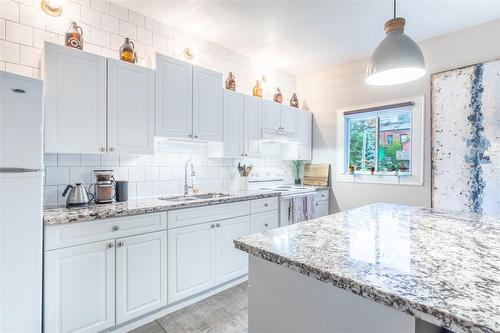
(143, 320)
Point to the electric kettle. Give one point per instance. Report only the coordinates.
(77, 196)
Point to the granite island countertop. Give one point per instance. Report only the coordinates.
(439, 266)
(62, 215)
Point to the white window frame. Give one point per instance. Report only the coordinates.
(416, 174)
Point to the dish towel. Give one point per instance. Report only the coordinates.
(309, 206)
(296, 210)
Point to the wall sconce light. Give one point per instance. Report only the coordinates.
(188, 53)
(51, 7)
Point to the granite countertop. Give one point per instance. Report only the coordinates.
(439, 266)
(52, 216)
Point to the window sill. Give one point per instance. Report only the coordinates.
(381, 178)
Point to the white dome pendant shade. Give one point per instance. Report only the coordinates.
(397, 59)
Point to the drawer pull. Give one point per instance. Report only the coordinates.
(218, 225)
(120, 244)
(212, 226)
(110, 245)
(266, 204)
(115, 228)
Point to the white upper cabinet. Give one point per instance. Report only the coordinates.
(271, 118)
(289, 119)
(188, 101)
(174, 98)
(279, 118)
(80, 288)
(96, 105)
(141, 275)
(233, 124)
(253, 125)
(207, 105)
(130, 108)
(304, 135)
(75, 101)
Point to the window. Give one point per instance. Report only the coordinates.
(383, 141)
(375, 140)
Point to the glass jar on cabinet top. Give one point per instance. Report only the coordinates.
(127, 52)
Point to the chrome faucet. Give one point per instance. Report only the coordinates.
(186, 186)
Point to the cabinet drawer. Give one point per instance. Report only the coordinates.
(190, 216)
(322, 195)
(321, 208)
(263, 221)
(58, 236)
(262, 205)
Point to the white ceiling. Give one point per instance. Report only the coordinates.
(299, 35)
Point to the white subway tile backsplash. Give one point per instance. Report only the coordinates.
(144, 189)
(19, 69)
(32, 16)
(121, 173)
(151, 173)
(102, 6)
(128, 160)
(144, 36)
(9, 51)
(10, 10)
(56, 175)
(128, 30)
(90, 16)
(136, 174)
(119, 11)
(136, 18)
(18, 33)
(152, 24)
(30, 56)
(110, 160)
(50, 160)
(159, 188)
(50, 195)
(80, 175)
(101, 38)
(132, 190)
(68, 160)
(39, 36)
(2, 29)
(166, 173)
(109, 23)
(90, 160)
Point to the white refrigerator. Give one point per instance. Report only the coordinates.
(21, 180)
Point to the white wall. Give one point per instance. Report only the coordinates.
(327, 90)
(23, 29)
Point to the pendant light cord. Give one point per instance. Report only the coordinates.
(394, 8)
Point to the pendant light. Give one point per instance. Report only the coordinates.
(397, 59)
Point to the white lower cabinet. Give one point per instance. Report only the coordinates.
(80, 288)
(190, 260)
(231, 262)
(141, 275)
(264, 221)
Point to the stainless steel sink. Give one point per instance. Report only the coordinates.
(182, 198)
(211, 195)
(178, 198)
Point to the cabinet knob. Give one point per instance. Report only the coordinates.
(266, 204)
(190, 135)
(120, 244)
(317, 205)
(217, 225)
(212, 226)
(102, 149)
(110, 245)
(196, 136)
(111, 149)
(246, 154)
(115, 228)
(266, 225)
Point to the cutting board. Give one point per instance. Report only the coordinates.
(316, 174)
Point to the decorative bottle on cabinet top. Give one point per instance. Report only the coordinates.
(257, 90)
(231, 82)
(74, 36)
(127, 51)
(294, 101)
(278, 97)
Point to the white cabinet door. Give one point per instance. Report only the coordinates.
(231, 263)
(271, 115)
(130, 108)
(80, 288)
(253, 125)
(174, 98)
(304, 135)
(75, 101)
(233, 124)
(207, 104)
(321, 208)
(264, 221)
(141, 275)
(191, 266)
(289, 119)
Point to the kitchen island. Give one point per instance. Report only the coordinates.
(379, 268)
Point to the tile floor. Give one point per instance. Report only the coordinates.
(226, 312)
